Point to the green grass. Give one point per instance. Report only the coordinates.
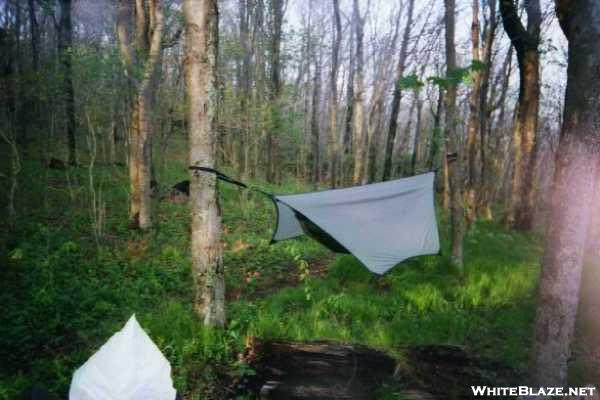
(63, 295)
(422, 301)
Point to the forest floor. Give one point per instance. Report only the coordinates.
(64, 290)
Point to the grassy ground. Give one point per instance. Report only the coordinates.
(64, 291)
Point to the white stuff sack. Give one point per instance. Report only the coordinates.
(127, 367)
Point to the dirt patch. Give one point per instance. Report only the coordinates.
(259, 285)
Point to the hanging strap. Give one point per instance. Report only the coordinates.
(230, 180)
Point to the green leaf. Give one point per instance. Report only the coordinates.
(477, 65)
(411, 82)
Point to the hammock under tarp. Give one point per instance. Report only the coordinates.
(381, 224)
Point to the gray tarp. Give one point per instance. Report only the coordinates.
(382, 224)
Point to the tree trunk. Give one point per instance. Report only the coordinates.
(141, 51)
(592, 251)
(201, 44)
(435, 143)
(525, 42)
(485, 113)
(404, 140)
(35, 35)
(314, 122)
(572, 195)
(473, 128)
(373, 132)
(499, 155)
(273, 169)
(451, 139)
(65, 43)
(244, 136)
(417, 136)
(348, 137)
(259, 71)
(360, 138)
(334, 147)
(397, 96)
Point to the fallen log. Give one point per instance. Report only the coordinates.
(448, 372)
(316, 370)
(329, 370)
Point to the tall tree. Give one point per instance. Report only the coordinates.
(397, 96)
(65, 44)
(418, 128)
(434, 147)
(245, 84)
(334, 141)
(572, 194)
(360, 137)
(139, 28)
(314, 118)
(35, 35)
(485, 111)
(273, 171)
(525, 41)
(451, 140)
(201, 44)
(473, 129)
(347, 136)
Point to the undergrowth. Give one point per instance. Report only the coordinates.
(63, 293)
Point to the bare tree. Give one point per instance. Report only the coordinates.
(139, 28)
(334, 141)
(397, 96)
(347, 136)
(201, 43)
(314, 118)
(273, 171)
(485, 111)
(360, 137)
(245, 83)
(65, 44)
(526, 42)
(473, 129)
(451, 139)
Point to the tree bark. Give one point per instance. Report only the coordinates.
(397, 96)
(485, 114)
(314, 122)
(334, 141)
(201, 44)
(572, 195)
(373, 132)
(273, 171)
(435, 142)
(592, 251)
(417, 136)
(473, 128)
(141, 52)
(526, 42)
(65, 44)
(348, 137)
(360, 138)
(35, 35)
(451, 139)
(245, 92)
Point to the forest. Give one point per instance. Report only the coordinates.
(152, 151)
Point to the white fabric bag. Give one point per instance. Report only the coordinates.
(127, 367)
